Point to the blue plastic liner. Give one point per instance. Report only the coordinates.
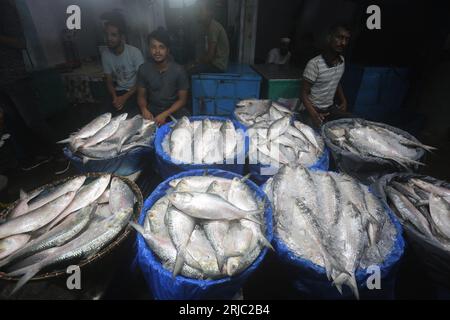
(323, 163)
(160, 280)
(123, 165)
(310, 279)
(168, 167)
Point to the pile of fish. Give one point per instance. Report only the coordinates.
(423, 205)
(370, 139)
(106, 137)
(68, 222)
(283, 143)
(203, 142)
(260, 112)
(331, 220)
(206, 227)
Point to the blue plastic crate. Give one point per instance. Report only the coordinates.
(218, 93)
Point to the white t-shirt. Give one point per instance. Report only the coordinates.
(123, 67)
(324, 80)
(275, 57)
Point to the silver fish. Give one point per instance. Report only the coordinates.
(36, 219)
(12, 244)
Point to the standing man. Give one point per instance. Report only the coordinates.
(162, 84)
(322, 94)
(281, 55)
(120, 65)
(218, 48)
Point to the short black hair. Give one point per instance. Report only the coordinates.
(115, 19)
(160, 35)
(335, 28)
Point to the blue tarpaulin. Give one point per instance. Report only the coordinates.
(123, 165)
(168, 166)
(160, 280)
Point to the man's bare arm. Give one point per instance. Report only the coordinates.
(341, 97)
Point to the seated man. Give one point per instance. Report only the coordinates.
(281, 55)
(218, 51)
(162, 84)
(321, 80)
(120, 64)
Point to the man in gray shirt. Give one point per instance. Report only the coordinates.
(120, 65)
(162, 84)
(321, 86)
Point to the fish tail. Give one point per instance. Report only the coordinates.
(179, 262)
(220, 260)
(28, 273)
(349, 280)
(246, 177)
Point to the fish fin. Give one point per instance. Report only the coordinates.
(23, 194)
(28, 273)
(179, 262)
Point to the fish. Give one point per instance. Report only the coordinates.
(36, 219)
(12, 244)
(440, 213)
(371, 139)
(58, 236)
(90, 129)
(430, 188)
(104, 133)
(22, 206)
(409, 212)
(127, 129)
(85, 245)
(181, 141)
(51, 194)
(85, 196)
(278, 128)
(180, 227)
(212, 143)
(229, 139)
(329, 222)
(198, 205)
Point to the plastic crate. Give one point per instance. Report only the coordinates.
(287, 89)
(218, 93)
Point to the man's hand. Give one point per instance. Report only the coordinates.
(119, 102)
(147, 115)
(161, 118)
(318, 118)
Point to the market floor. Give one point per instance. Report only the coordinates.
(270, 281)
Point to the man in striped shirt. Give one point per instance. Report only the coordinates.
(322, 94)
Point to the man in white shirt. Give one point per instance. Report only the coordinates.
(120, 65)
(281, 55)
(322, 95)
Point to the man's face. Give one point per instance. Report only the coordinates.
(113, 37)
(339, 40)
(158, 51)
